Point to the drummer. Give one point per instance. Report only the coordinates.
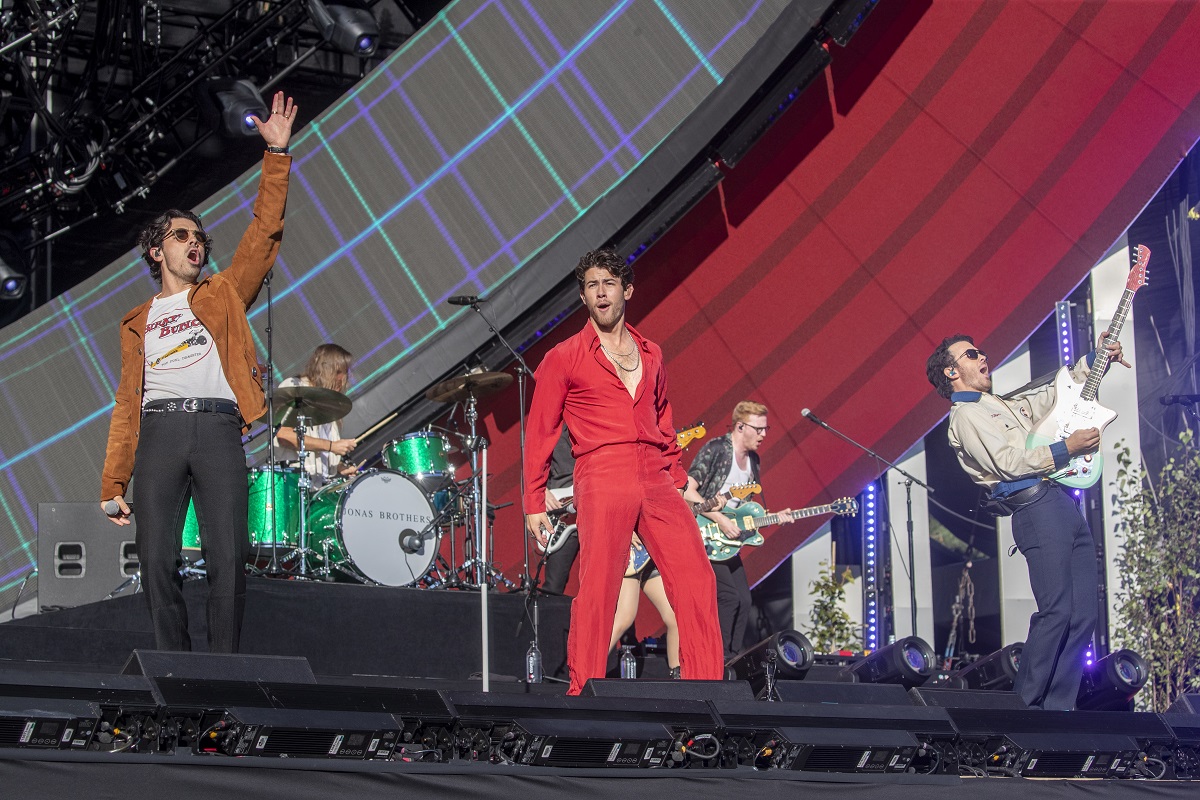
(328, 368)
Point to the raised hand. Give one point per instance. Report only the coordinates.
(277, 130)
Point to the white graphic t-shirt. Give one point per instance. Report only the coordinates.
(737, 477)
(181, 359)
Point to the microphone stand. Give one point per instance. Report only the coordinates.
(527, 583)
(909, 480)
(269, 380)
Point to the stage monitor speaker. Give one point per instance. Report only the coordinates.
(966, 698)
(668, 690)
(868, 694)
(219, 667)
(82, 557)
(1185, 704)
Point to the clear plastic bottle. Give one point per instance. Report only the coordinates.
(533, 664)
(628, 662)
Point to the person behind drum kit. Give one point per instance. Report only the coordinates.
(328, 368)
(189, 386)
(731, 460)
(608, 384)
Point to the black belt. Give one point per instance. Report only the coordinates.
(192, 405)
(1029, 493)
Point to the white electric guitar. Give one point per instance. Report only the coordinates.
(1075, 406)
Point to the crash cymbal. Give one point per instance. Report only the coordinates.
(316, 404)
(477, 384)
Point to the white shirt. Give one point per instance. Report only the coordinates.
(181, 357)
(737, 477)
(319, 465)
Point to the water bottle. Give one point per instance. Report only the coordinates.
(533, 664)
(628, 662)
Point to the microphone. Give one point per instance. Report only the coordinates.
(465, 300)
(804, 412)
(112, 508)
(1182, 399)
(411, 542)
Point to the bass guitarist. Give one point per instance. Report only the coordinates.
(988, 433)
(722, 463)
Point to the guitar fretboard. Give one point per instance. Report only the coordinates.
(1100, 365)
(791, 516)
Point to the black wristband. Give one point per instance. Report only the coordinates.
(279, 151)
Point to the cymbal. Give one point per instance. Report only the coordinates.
(316, 404)
(477, 384)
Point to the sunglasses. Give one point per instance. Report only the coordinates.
(183, 234)
(974, 354)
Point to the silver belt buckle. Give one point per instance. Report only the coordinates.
(191, 405)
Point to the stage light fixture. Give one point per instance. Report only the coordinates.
(909, 662)
(1111, 683)
(237, 101)
(790, 651)
(994, 672)
(13, 280)
(346, 24)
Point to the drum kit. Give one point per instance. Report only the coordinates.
(384, 525)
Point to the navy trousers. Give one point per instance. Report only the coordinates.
(1058, 546)
(200, 456)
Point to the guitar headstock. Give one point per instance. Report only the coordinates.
(689, 435)
(1137, 275)
(744, 490)
(846, 507)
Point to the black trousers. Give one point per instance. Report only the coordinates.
(734, 604)
(1061, 553)
(200, 456)
(558, 566)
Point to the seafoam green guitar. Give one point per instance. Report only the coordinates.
(749, 517)
(639, 556)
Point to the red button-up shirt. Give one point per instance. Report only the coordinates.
(576, 383)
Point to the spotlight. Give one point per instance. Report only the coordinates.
(790, 651)
(1111, 683)
(908, 662)
(994, 672)
(13, 281)
(236, 101)
(346, 24)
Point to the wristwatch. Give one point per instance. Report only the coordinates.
(279, 151)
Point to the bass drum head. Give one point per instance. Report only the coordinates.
(383, 525)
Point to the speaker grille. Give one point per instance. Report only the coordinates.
(831, 759)
(1062, 765)
(10, 731)
(580, 751)
(294, 742)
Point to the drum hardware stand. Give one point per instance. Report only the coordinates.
(522, 373)
(302, 551)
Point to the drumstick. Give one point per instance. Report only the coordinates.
(358, 439)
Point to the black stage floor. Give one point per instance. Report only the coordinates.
(341, 628)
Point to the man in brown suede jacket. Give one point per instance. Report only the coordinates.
(190, 384)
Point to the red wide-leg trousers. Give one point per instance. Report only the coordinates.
(624, 488)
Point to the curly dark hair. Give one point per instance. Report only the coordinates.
(156, 230)
(605, 258)
(935, 367)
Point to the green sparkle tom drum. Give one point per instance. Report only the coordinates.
(280, 497)
(421, 456)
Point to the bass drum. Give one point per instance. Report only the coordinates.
(376, 528)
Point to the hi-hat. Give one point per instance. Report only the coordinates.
(478, 384)
(317, 405)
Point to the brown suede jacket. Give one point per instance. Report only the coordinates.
(220, 302)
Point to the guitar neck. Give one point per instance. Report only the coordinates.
(1100, 365)
(791, 516)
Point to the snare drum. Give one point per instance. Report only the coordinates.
(286, 505)
(376, 528)
(422, 456)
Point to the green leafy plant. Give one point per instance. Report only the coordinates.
(832, 627)
(1158, 604)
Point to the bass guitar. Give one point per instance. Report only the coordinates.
(749, 517)
(1075, 406)
(639, 556)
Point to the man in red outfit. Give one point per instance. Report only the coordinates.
(610, 387)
